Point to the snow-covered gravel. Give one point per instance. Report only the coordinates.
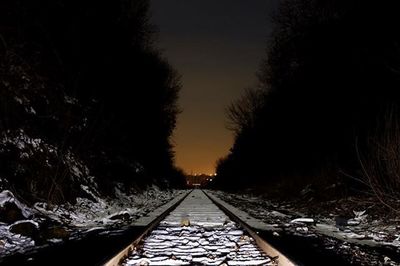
(75, 220)
(88, 213)
(346, 235)
(198, 232)
(11, 242)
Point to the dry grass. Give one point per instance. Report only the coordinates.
(380, 164)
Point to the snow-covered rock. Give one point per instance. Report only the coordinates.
(210, 238)
(11, 209)
(122, 215)
(353, 222)
(49, 223)
(27, 228)
(303, 220)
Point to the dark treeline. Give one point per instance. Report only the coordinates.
(85, 98)
(326, 110)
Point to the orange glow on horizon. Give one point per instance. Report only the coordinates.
(217, 58)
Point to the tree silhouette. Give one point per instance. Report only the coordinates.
(328, 78)
(99, 88)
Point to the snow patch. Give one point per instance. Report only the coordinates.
(7, 196)
(303, 220)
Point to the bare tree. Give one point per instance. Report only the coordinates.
(242, 113)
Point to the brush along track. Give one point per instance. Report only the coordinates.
(198, 232)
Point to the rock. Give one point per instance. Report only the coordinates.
(185, 222)
(244, 238)
(55, 232)
(303, 220)
(144, 262)
(120, 216)
(278, 214)
(353, 222)
(355, 236)
(10, 213)
(302, 229)
(11, 210)
(358, 214)
(26, 228)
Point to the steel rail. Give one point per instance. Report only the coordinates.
(278, 257)
(124, 253)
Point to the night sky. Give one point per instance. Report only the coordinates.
(216, 45)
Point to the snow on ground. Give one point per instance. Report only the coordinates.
(23, 228)
(198, 232)
(7, 199)
(87, 213)
(11, 242)
(345, 233)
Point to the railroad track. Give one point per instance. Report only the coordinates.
(199, 230)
